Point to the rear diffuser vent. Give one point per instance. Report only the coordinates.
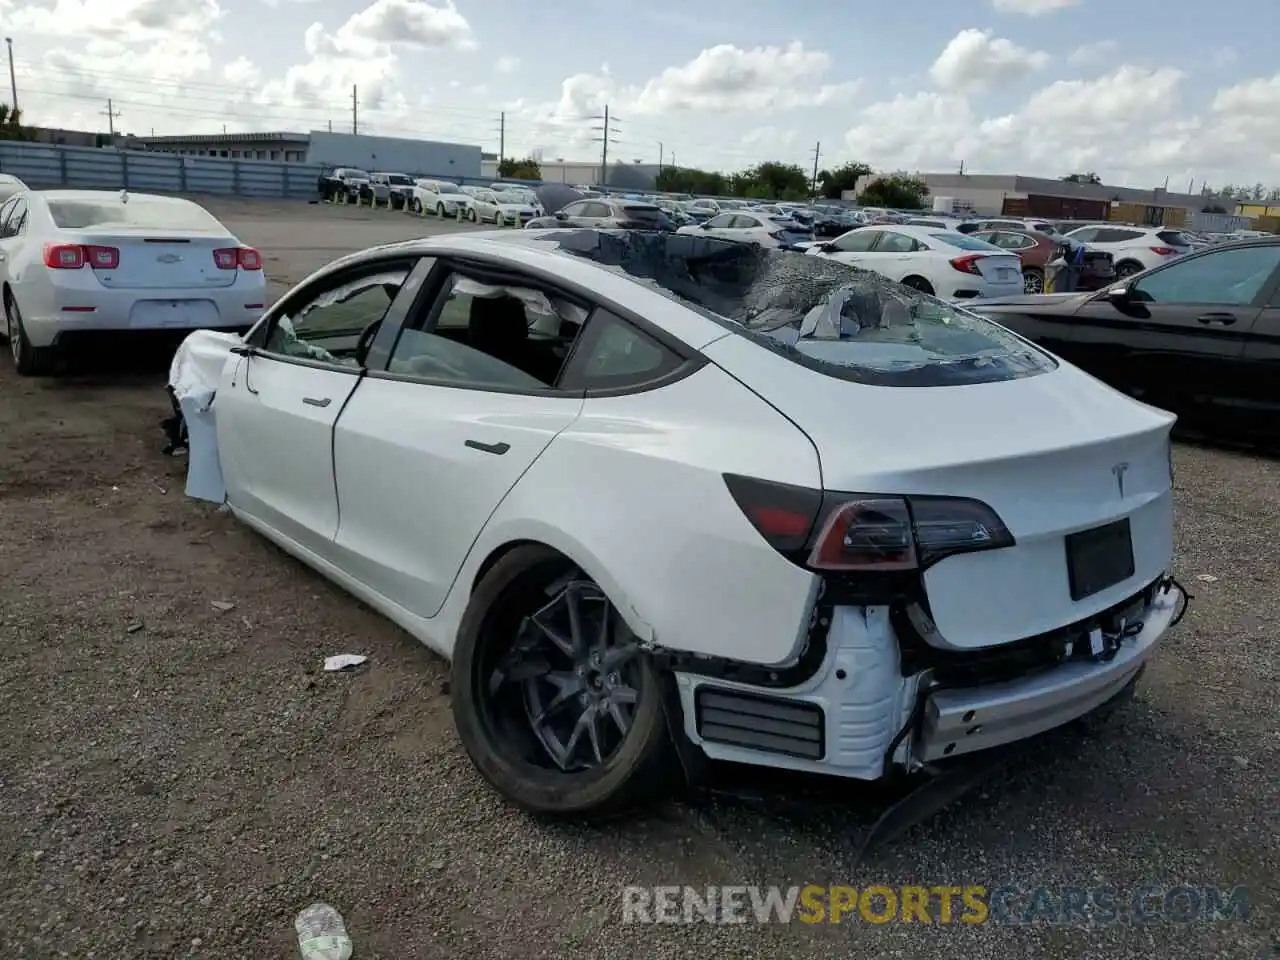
(769, 724)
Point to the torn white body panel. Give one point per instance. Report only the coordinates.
(194, 376)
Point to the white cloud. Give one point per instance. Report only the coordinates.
(508, 64)
(1092, 53)
(242, 72)
(410, 23)
(1034, 8)
(729, 78)
(976, 58)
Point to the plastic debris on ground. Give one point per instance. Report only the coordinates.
(194, 375)
(1206, 578)
(343, 661)
(322, 934)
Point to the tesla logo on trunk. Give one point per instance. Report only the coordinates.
(1120, 469)
(168, 258)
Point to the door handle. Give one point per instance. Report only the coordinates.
(1222, 319)
(495, 448)
(316, 401)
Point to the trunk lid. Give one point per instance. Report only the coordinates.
(155, 260)
(1045, 452)
(1000, 267)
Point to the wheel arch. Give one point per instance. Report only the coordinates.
(533, 533)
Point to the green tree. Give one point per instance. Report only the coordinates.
(897, 191)
(1089, 177)
(11, 127)
(844, 177)
(526, 169)
(691, 180)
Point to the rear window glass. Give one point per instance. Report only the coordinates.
(833, 318)
(400, 179)
(1173, 238)
(963, 241)
(142, 213)
(356, 174)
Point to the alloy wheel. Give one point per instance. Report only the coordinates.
(576, 667)
(1032, 282)
(14, 333)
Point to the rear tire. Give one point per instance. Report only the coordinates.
(598, 745)
(440, 210)
(918, 283)
(29, 361)
(415, 206)
(1032, 280)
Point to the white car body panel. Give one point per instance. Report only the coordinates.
(371, 480)
(489, 209)
(157, 285)
(1047, 471)
(434, 195)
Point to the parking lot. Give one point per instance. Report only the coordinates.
(180, 779)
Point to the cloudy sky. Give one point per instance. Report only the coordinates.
(1136, 90)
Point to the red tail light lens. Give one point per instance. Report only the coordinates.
(245, 258)
(968, 264)
(866, 532)
(1163, 251)
(73, 256)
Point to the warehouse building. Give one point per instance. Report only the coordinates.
(399, 154)
(1064, 200)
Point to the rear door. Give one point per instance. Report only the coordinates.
(1181, 337)
(276, 408)
(463, 403)
(1259, 382)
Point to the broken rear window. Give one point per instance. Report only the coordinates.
(830, 317)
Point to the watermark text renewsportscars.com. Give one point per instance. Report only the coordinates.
(938, 904)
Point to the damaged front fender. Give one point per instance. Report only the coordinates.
(194, 376)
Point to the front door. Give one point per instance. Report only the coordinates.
(427, 449)
(275, 409)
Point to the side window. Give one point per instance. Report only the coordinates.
(1087, 235)
(574, 209)
(721, 222)
(5, 212)
(1228, 277)
(488, 336)
(615, 355)
(326, 324)
(857, 241)
(743, 221)
(17, 219)
(986, 236)
(896, 243)
(598, 209)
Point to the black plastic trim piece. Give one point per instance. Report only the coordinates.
(793, 728)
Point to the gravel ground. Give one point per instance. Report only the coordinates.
(179, 779)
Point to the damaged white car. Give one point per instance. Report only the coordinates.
(655, 492)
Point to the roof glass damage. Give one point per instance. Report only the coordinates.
(830, 317)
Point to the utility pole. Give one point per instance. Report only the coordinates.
(355, 112)
(111, 118)
(13, 80)
(660, 155)
(502, 138)
(331, 126)
(606, 137)
(962, 168)
(817, 153)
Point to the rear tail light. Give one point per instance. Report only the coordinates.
(968, 263)
(1163, 251)
(853, 532)
(73, 256)
(229, 258)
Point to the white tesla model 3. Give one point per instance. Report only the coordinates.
(644, 489)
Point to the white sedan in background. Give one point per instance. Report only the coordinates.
(944, 263)
(77, 265)
(1134, 249)
(608, 475)
(500, 209)
(746, 226)
(441, 197)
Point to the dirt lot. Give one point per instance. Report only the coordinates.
(179, 780)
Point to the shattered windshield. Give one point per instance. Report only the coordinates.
(828, 316)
